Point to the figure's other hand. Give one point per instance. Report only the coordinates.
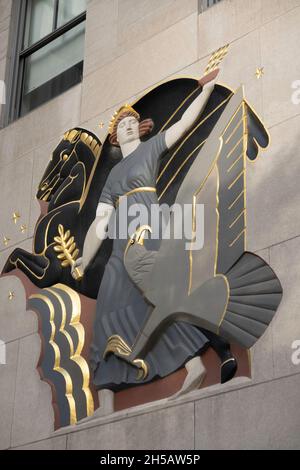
(75, 266)
(209, 78)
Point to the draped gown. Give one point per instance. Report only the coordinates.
(121, 308)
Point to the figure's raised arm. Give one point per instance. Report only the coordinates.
(175, 132)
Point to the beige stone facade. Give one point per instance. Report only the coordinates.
(132, 45)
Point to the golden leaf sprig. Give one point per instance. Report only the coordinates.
(66, 247)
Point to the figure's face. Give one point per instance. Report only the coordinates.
(128, 130)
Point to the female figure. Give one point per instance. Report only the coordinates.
(121, 308)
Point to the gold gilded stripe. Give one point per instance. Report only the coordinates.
(191, 133)
(235, 162)
(236, 179)
(77, 357)
(57, 367)
(180, 168)
(235, 147)
(148, 189)
(237, 238)
(237, 218)
(236, 200)
(234, 130)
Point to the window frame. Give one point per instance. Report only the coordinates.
(15, 91)
(206, 4)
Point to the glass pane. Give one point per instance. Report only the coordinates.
(54, 59)
(69, 9)
(39, 20)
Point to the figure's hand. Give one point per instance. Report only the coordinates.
(78, 264)
(210, 78)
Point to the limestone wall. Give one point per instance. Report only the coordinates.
(132, 45)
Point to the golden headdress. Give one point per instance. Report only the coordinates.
(125, 109)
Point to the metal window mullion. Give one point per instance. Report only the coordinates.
(55, 15)
(27, 14)
(54, 35)
(14, 76)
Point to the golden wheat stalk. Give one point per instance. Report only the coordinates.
(67, 251)
(216, 59)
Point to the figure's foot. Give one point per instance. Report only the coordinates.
(228, 370)
(106, 400)
(196, 373)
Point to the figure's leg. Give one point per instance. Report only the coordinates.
(222, 348)
(196, 373)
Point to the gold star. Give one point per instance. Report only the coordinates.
(23, 228)
(15, 217)
(11, 295)
(101, 125)
(6, 240)
(260, 71)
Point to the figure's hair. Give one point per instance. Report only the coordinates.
(145, 126)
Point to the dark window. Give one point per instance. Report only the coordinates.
(210, 3)
(204, 4)
(50, 51)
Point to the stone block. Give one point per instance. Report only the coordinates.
(167, 429)
(15, 320)
(264, 416)
(143, 66)
(279, 49)
(56, 443)
(272, 9)
(285, 260)
(15, 196)
(33, 412)
(273, 195)
(5, 9)
(37, 128)
(226, 22)
(8, 373)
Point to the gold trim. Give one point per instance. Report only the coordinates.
(261, 149)
(190, 133)
(136, 190)
(231, 359)
(66, 249)
(237, 218)
(235, 147)
(198, 190)
(65, 187)
(260, 71)
(235, 162)
(76, 355)
(236, 179)
(218, 188)
(15, 263)
(137, 237)
(237, 238)
(6, 240)
(236, 200)
(232, 117)
(125, 108)
(245, 145)
(116, 345)
(16, 215)
(218, 221)
(227, 302)
(177, 109)
(216, 58)
(68, 380)
(180, 168)
(11, 295)
(234, 130)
